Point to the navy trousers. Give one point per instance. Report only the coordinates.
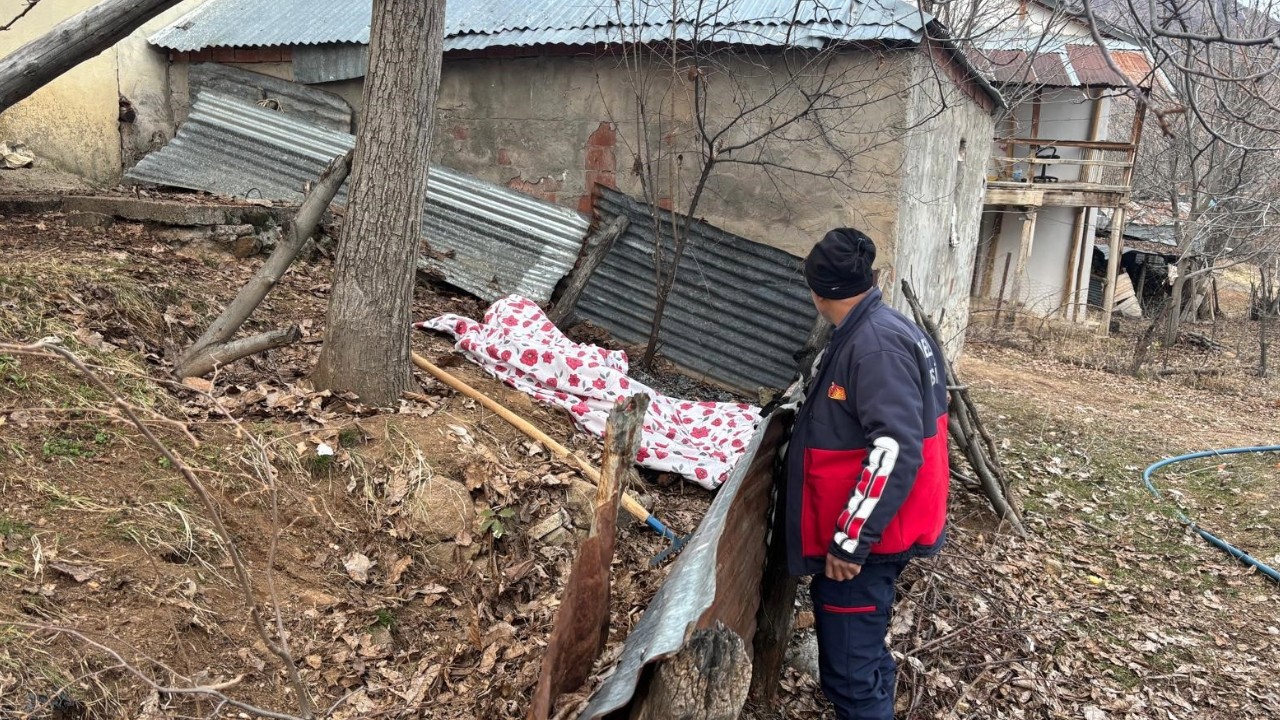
(851, 618)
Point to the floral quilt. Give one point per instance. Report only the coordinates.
(520, 346)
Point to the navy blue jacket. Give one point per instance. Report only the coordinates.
(867, 467)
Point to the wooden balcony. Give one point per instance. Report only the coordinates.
(1030, 191)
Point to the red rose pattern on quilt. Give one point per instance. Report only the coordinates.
(517, 344)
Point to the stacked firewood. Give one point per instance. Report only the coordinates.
(969, 435)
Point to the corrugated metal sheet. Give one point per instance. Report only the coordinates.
(254, 23)
(329, 63)
(493, 240)
(305, 103)
(716, 578)
(812, 36)
(481, 24)
(1015, 56)
(1091, 66)
(738, 312)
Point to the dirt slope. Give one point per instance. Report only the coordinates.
(1110, 610)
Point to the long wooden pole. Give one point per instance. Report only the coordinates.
(629, 503)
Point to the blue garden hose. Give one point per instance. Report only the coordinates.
(1214, 540)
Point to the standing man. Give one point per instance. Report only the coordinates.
(867, 471)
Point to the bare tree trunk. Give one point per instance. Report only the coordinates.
(70, 43)
(1143, 346)
(366, 346)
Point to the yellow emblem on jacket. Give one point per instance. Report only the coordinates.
(835, 392)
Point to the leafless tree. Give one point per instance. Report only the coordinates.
(713, 95)
(27, 7)
(1217, 106)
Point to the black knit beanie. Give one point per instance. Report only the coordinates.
(839, 266)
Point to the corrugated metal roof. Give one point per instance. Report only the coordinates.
(1068, 65)
(306, 103)
(329, 63)
(254, 23)
(481, 24)
(493, 241)
(738, 312)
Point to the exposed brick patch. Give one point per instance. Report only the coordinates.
(460, 132)
(600, 164)
(223, 55)
(604, 136)
(601, 159)
(665, 203)
(179, 57)
(607, 179)
(504, 157)
(198, 56)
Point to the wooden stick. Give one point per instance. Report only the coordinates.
(963, 417)
(598, 246)
(629, 503)
(211, 357)
(193, 362)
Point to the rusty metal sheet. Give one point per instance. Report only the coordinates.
(716, 579)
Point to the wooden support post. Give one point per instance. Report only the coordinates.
(1080, 225)
(1004, 281)
(598, 246)
(1025, 243)
(1113, 266)
(582, 620)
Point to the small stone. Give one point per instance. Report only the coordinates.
(803, 653)
(550, 529)
(246, 246)
(580, 501)
(441, 509)
(89, 220)
(181, 235)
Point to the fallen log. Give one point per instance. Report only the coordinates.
(582, 620)
(71, 42)
(197, 359)
(229, 352)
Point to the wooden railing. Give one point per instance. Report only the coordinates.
(1027, 168)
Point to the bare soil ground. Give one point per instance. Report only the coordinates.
(403, 598)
